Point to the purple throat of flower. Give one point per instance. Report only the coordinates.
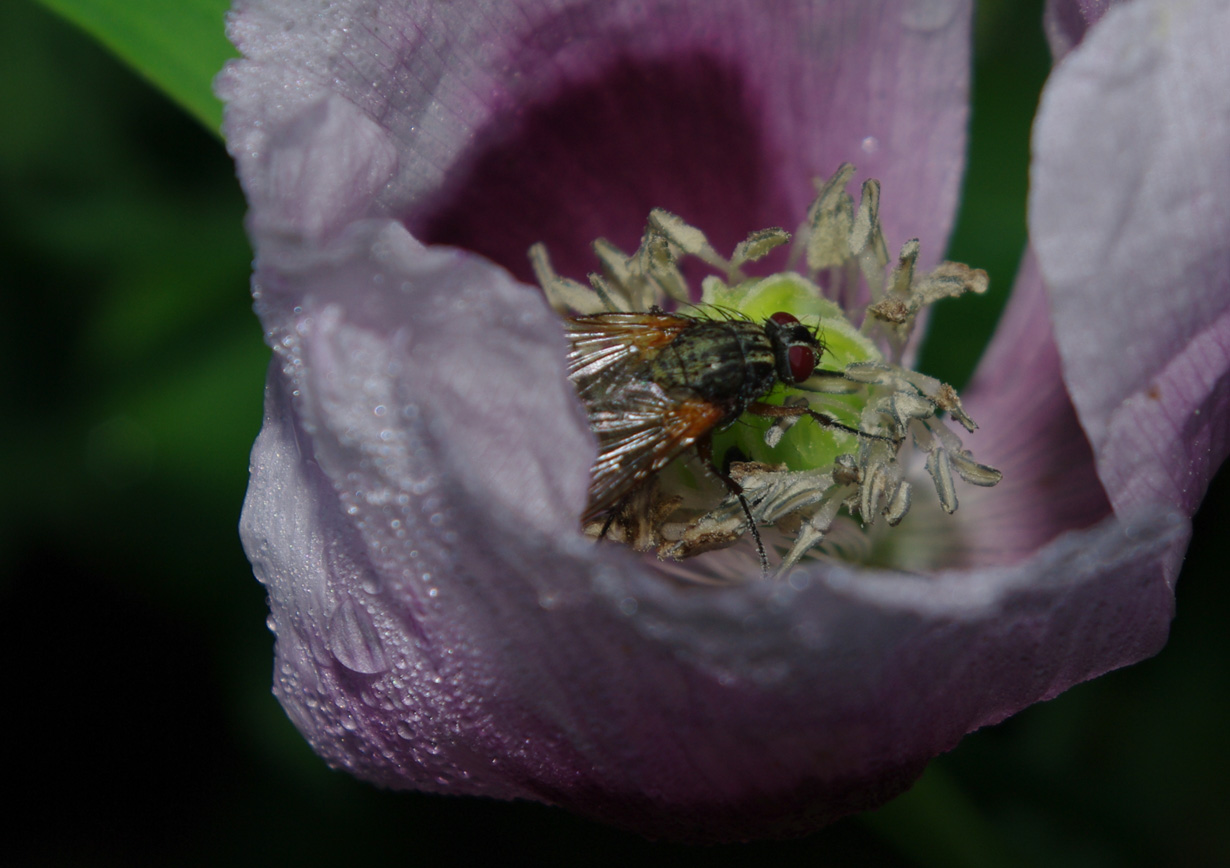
(703, 444)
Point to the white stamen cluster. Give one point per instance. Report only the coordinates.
(846, 254)
(651, 275)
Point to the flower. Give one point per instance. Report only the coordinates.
(413, 511)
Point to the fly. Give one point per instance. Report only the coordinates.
(655, 384)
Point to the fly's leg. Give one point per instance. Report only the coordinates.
(636, 519)
(775, 411)
(704, 448)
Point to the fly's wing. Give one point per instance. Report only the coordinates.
(640, 428)
(605, 347)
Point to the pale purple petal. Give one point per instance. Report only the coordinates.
(1129, 217)
(1067, 21)
(416, 369)
(492, 125)
(1029, 431)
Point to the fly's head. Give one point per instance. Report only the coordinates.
(796, 349)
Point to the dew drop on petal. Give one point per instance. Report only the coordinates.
(353, 640)
(371, 582)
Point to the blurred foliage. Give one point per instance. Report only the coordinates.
(1011, 62)
(143, 730)
(179, 46)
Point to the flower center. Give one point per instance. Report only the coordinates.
(789, 387)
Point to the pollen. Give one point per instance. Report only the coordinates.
(810, 460)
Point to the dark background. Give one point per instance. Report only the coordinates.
(141, 728)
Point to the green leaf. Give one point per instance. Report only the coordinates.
(178, 45)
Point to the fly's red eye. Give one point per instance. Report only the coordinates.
(783, 318)
(802, 362)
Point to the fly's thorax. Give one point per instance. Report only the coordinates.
(725, 362)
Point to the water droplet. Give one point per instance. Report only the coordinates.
(628, 605)
(354, 641)
(370, 582)
(870, 145)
